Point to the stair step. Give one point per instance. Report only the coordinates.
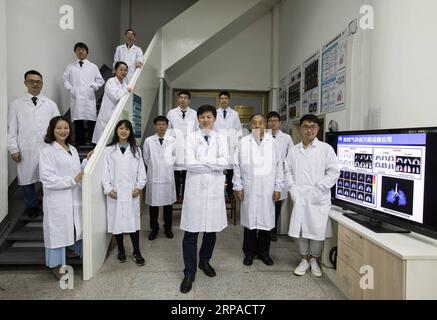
(26, 218)
(28, 244)
(27, 249)
(29, 257)
(27, 234)
(34, 224)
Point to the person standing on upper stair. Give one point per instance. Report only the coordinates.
(28, 119)
(82, 79)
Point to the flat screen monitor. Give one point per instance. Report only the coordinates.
(390, 177)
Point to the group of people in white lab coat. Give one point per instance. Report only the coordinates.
(45, 154)
(192, 157)
(82, 79)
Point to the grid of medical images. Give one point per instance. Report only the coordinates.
(356, 186)
(408, 165)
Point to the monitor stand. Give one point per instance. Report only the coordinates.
(375, 225)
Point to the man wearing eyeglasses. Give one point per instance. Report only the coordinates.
(311, 169)
(28, 120)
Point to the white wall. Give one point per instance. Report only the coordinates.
(147, 16)
(181, 35)
(403, 63)
(305, 26)
(393, 67)
(243, 63)
(35, 41)
(3, 115)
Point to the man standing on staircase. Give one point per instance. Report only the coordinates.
(182, 122)
(129, 53)
(28, 119)
(82, 79)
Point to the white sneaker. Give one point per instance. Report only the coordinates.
(315, 269)
(302, 268)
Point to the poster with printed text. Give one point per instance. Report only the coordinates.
(334, 63)
(136, 116)
(294, 97)
(310, 85)
(283, 92)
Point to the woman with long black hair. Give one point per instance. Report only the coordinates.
(124, 176)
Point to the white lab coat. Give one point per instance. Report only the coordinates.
(180, 129)
(82, 83)
(27, 127)
(284, 144)
(310, 174)
(123, 173)
(232, 125)
(114, 91)
(130, 56)
(159, 159)
(258, 173)
(62, 202)
(204, 208)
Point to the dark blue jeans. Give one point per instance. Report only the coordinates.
(189, 248)
(29, 196)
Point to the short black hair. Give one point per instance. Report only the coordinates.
(34, 72)
(50, 135)
(160, 119)
(310, 118)
(127, 30)
(186, 93)
(207, 108)
(273, 114)
(81, 45)
(225, 93)
(257, 114)
(119, 63)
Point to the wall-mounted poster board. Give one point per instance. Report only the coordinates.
(334, 62)
(310, 95)
(282, 103)
(294, 101)
(136, 116)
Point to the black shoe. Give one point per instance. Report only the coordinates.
(267, 260)
(169, 234)
(273, 237)
(121, 257)
(139, 260)
(248, 260)
(207, 269)
(153, 235)
(187, 284)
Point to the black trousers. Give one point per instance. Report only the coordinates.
(79, 131)
(256, 242)
(179, 177)
(189, 248)
(168, 217)
(134, 237)
(229, 185)
(278, 206)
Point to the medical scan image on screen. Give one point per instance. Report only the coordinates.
(383, 172)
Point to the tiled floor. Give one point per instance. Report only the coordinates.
(161, 276)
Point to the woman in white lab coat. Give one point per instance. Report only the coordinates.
(123, 178)
(159, 153)
(61, 176)
(258, 181)
(115, 89)
(311, 169)
(204, 207)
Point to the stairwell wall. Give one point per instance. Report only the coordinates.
(35, 40)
